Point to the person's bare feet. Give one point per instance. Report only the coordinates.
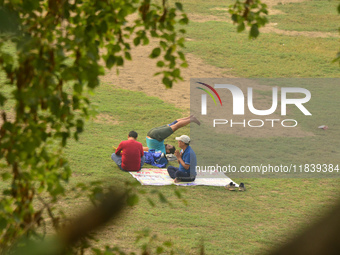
(194, 119)
(176, 180)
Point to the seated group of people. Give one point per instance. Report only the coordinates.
(129, 155)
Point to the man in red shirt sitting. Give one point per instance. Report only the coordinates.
(129, 155)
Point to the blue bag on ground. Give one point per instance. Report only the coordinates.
(155, 158)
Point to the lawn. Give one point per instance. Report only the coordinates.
(315, 15)
(271, 211)
(271, 55)
(266, 215)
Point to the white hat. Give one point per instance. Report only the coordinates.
(184, 139)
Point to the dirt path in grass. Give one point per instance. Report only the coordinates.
(276, 2)
(137, 75)
(269, 28)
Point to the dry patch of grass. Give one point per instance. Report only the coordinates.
(104, 118)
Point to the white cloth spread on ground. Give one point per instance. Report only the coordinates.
(148, 176)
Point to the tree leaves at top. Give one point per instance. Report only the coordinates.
(251, 13)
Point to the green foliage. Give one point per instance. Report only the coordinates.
(56, 63)
(251, 13)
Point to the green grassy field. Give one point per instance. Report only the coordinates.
(315, 15)
(266, 215)
(271, 55)
(271, 211)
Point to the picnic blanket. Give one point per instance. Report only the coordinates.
(160, 176)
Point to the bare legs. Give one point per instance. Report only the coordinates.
(186, 118)
(184, 121)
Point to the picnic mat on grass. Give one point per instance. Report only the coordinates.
(160, 177)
